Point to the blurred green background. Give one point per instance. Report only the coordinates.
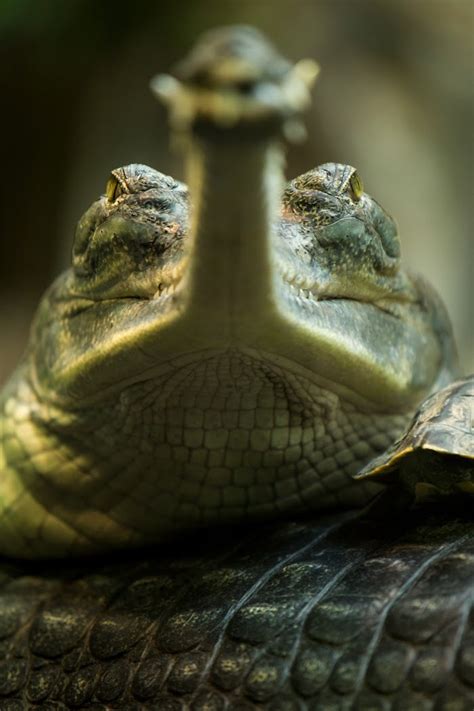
(394, 99)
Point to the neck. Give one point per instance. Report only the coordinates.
(235, 190)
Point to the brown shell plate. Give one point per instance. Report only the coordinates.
(442, 424)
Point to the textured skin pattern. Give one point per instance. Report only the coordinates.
(324, 616)
(217, 439)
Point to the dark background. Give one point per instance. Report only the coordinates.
(394, 99)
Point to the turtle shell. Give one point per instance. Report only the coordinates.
(438, 447)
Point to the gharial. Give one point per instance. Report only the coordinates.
(246, 368)
(175, 381)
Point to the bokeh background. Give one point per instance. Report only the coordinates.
(394, 99)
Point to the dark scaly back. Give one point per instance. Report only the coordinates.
(319, 614)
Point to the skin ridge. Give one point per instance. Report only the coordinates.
(174, 627)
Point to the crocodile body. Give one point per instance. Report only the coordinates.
(324, 615)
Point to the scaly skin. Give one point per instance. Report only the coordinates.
(318, 615)
(241, 370)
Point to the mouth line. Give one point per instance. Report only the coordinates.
(300, 291)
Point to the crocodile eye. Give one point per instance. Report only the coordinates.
(356, 186)
(113, 189)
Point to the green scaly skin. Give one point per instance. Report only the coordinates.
(241, 369)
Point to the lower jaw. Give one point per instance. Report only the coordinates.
(221, 438)
(367, 354)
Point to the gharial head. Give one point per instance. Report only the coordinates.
(331, 244)
(229, 280)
